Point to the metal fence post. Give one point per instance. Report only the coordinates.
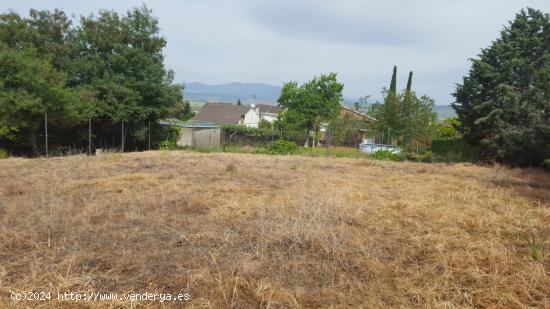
(122, 137)
(89, 136)
(46, 131)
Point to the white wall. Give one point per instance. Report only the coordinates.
(269, 117)
(252, 118)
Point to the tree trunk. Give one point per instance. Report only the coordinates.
(316, 130)
(32, 140)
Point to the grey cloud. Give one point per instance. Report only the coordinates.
(276, 41)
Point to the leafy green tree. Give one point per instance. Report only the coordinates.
(447, 128)
(29, 88)
(391, 111)
(54, 39)
(405, 116)
(108, 67)
(121, 62)
(292, 126)
(264, 124)
(180, 110)
(503, 104)
(312, 104)
(345, 130)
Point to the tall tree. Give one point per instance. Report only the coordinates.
(409, 83)
(314, 103)
(30, 83)
(29, 88)
(121, 62)
(404, 117)
(503, 104)
(109, 67)
(389, 114)
(393, 83)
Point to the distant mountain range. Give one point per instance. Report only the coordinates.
(444, 111)
(246, 92)
(259, 93)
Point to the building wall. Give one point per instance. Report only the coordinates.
(269, 117)
(186, 137)
(200, 137)
(252, 118)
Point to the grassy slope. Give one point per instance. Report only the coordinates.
(251, 230)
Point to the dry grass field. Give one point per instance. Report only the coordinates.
(250, 231)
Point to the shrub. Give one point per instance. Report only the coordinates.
(426, 157)
(3, 153)
(545, 164)
(168, 145)
(386, 155)
(170, 136)
(282, 147)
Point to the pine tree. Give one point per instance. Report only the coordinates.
(504, 102)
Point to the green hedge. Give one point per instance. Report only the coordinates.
(282, 147)
(242, 135)
(453, 150)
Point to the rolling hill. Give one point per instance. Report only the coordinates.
(247, 92)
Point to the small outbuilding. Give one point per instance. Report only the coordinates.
(196, 133)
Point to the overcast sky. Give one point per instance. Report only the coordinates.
(275, 41)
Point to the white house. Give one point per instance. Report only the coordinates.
(247, 115)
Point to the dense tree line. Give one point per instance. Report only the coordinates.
(107, 68)
(503, 104)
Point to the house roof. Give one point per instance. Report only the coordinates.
(227, 113)
(268, 109)
(222, 113)
(367, 117)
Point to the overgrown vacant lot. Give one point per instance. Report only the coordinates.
(273, 231)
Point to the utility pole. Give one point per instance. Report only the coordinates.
(46, 131)
(122, 139)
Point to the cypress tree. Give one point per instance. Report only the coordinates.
(403, 117)
(393, 83)
(391, 111)
(407, 110)
(409, 82)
